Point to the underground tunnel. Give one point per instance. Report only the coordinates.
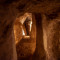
(29, 30)
(25, 36)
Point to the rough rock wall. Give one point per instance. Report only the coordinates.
(9, 10)
(26, 46)
(18, 30)
(40, 6)
(51, 33)
(48, 32)
(40, 52)
(19, 26)
(7, 42)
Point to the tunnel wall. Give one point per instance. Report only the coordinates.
(7, 42)
(7, 16)
(40, 52)
(26, 46)
(51, 35)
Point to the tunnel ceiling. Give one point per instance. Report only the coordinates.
(33, 6)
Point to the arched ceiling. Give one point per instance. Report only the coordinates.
(34, 6)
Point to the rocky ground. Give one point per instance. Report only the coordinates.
(26, 48)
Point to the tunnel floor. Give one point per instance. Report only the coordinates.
(26, 49)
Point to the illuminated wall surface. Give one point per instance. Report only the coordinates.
(25, 36)
(29, 29)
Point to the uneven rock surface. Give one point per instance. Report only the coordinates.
(25, 47)
(11, 9)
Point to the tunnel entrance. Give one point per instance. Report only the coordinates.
(25, 36)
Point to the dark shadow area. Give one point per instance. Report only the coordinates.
(40, 52)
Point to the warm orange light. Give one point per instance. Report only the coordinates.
(30, 26)
(23, 32)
